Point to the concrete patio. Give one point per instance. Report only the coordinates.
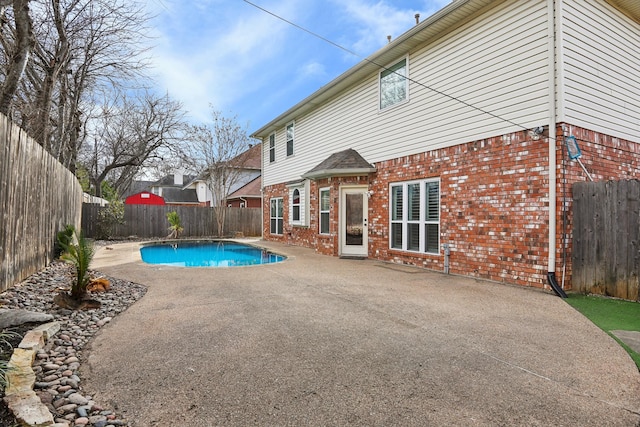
(322, 341)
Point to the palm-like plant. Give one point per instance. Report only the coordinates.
(175, 225)
(80, 255)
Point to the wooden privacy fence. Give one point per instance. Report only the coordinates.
(38, 197)
(606, 238)
(151, 221)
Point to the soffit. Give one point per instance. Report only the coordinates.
(630, 7)
(451, 16)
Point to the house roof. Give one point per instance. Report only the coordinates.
(137, 187)
(168, 181)
(178, 195)
(447, 19)
(249, 159)
(251, 189)
(344, 163)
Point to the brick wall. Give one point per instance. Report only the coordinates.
(494, 203)
(605, 158)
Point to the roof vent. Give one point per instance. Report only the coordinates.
(417, 18)
(388, 39)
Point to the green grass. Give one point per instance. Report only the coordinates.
(609, 314)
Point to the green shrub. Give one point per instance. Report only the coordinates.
(109, 217)
(63, 239)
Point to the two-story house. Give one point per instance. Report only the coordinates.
(446, 148)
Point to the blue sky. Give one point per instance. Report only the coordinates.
(246, 62)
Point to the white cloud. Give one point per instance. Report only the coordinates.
(219, 59)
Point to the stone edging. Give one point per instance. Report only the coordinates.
(20, 396)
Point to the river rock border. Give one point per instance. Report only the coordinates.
(44, 387)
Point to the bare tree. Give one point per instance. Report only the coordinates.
(17, 43)
(128, 134)
(217, 152)
(82, 48)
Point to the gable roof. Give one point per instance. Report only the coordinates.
(249, 159)
(169, 181)
(178, 195)
(447, 19)
(251, 189)
(343, 163)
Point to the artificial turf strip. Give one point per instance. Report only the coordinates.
(609, 315)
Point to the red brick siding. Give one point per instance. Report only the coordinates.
(494, 203)
(605, 158)
(493, 208)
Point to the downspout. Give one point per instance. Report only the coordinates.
(261, 189)
(551, 33)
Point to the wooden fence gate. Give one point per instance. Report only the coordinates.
(606, 238)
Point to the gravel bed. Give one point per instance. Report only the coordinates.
(57, 382)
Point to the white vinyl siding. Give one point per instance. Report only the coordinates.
(600, 78)
(495, 62)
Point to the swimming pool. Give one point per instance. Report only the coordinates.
(206, 254)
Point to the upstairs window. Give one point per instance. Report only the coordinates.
(272, 148)
(394, 85)
(290, 132)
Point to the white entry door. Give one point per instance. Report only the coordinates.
(354, 221)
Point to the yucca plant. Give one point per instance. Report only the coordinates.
(80, 255)
(175, 225)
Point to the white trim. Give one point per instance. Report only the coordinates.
(303, 188)
(293, 139)
(354, 250)
(387, 67)
(320, 211)
(272, 134)
(422, 221)
(281, 218)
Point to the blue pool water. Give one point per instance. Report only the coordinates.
(207, 254)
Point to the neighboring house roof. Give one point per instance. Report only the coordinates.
(251, 189)
(249, 159)
(427, 31)
(137, 187)
(178, 195)
(169, 181)
(344, 163)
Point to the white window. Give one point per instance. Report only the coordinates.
(295, 204)
(290, 135)
(394, 85)
(272, 148)
(276, 215)
(324, 210)
(415, 216)
(298, 203)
